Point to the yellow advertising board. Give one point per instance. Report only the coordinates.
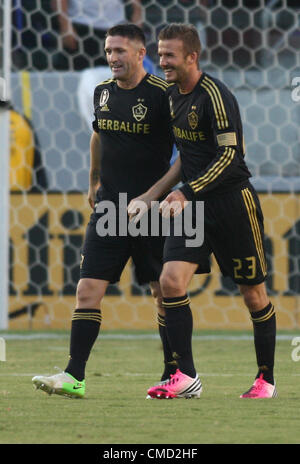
(46, 235)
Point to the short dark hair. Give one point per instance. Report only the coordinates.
(131, 31)
(185, 32)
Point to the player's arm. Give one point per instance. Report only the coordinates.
(220, 110)
(95, 153)
(136, 15)
(94, 174)
(168, 181)
(65, 24)
(138, 206)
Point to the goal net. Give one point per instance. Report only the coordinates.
(253, 46)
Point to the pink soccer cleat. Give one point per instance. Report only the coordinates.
(179, 386)
(260, 389)
(162, 382)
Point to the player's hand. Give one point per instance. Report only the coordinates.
(173, 204)
(70, 38)
(92, 196)
(138, 207)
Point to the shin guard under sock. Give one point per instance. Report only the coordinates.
(179, 324)
(264, 327)
(84, 332)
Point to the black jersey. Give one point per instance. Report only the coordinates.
(209, 136)
(135, 136)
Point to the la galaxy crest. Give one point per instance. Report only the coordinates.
(193, 118)
(139, 111)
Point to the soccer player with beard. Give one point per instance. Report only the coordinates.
(130, 147)
(208, 132)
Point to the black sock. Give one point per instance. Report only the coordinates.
(179, 324)
(264, 326)
(84, 332)
(170, 363)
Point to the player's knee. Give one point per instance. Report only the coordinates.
(171, 285)
(255, 297)
(88, 294)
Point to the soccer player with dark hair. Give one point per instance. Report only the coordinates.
(130, 148)
(208, 131)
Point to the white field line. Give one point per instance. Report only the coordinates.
(50, 336)
(134, 374)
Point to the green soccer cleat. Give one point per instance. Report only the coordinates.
(61, 384)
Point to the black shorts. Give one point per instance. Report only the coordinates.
(233, 232)
(105, 257)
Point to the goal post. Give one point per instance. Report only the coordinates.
(4, 223)
(5, 28)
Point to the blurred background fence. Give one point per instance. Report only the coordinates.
(56, 60)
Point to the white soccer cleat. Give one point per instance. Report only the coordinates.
(60, 384)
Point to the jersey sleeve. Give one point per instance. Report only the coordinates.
(220, 111)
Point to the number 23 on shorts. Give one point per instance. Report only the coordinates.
(244, 267)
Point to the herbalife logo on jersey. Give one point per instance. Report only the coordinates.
(114, 221)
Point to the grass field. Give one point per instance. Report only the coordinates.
(120, 370)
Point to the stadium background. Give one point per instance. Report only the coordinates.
(253, 46)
